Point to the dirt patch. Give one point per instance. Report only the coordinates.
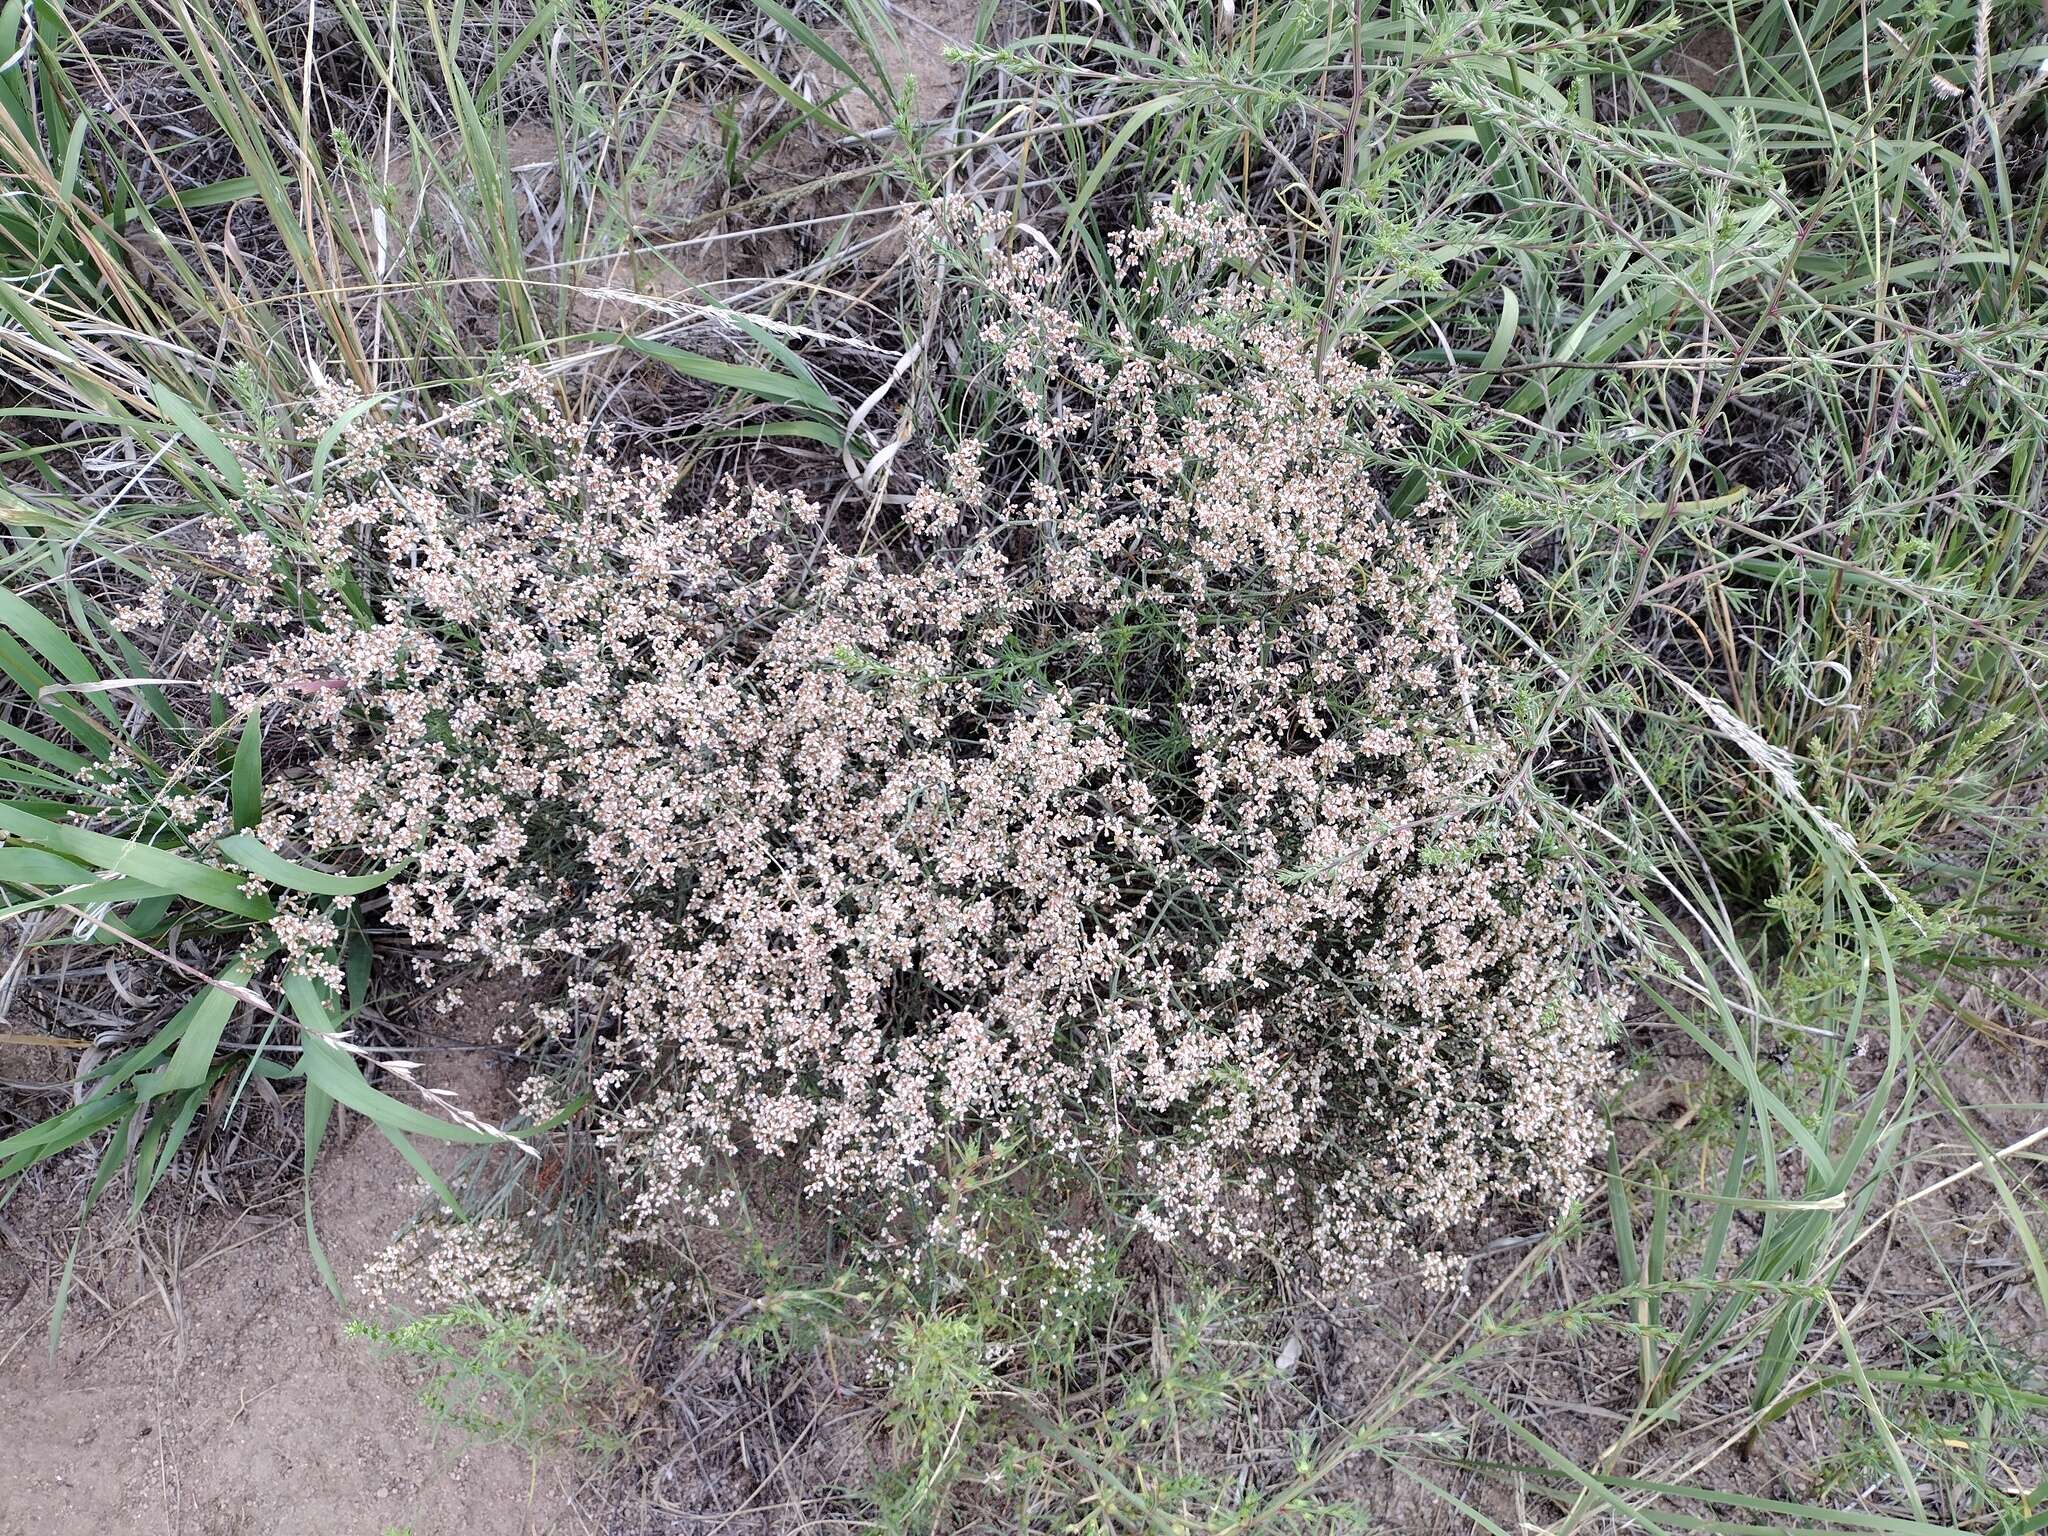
(214, 1392)
(905, 58)
(598, 228)
(1704, 61)
(620, 229)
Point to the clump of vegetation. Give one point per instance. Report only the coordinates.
(1151, 810)
(499, 1377)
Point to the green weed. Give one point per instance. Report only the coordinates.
(501, 1380)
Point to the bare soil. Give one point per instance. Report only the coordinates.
(205, 1386)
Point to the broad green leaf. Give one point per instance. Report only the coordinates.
(318, 1108)
(49, 752)
(179, 412)
(245, 850)
(39, 869)
(43, 688)
(210, 887)
(245, 782)
(205, 1018)
(763, 383)
(324, 449)
(41, 634)
(336, 1073)
(97, 892)
(61, 1132)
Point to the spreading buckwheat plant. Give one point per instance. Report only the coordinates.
(1139, 801)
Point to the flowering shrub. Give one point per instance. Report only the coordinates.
(1125, 788)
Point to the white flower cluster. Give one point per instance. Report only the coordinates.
(1142, 802)
(487, 1263)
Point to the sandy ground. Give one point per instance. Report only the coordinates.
(214, 1392)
